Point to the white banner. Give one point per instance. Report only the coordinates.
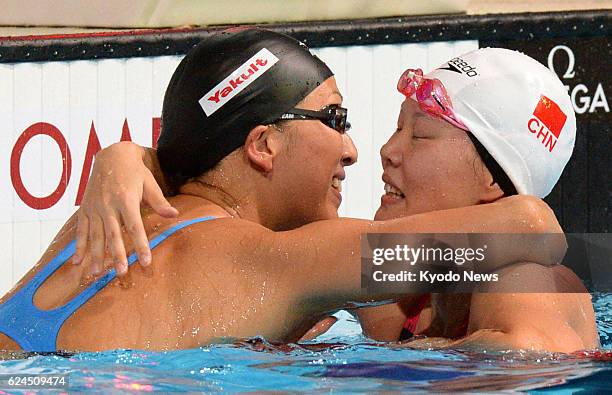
(57, 115)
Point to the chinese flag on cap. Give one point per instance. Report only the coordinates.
(550, 114)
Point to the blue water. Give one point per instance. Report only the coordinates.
(347, 362)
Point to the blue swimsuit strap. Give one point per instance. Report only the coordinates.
(37, 330)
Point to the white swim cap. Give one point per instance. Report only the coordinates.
(517, 109)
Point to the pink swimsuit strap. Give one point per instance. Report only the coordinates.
(415, 313)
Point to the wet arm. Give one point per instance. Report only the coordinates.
(323, 259)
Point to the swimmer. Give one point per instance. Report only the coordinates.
(485, 145)
(253, 143)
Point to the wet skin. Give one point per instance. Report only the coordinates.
(262, 267)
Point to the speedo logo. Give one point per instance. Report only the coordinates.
(237, 81)
(460, 66)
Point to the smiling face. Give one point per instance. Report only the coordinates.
(430, 165)
(310, 170)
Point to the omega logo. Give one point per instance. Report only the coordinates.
(581, 99)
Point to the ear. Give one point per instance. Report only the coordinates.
(261, 147)
(491, 190)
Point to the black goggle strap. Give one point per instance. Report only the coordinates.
(335, 117)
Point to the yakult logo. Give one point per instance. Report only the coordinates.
(547, 122)
(237, 81)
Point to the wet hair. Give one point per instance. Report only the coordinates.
(499, 175)
(225, 86)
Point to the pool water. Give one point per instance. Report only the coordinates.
(346, 362)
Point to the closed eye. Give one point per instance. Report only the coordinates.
(417, 135)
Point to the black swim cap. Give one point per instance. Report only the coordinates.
(224, 87)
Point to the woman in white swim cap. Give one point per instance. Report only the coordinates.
(485, 125)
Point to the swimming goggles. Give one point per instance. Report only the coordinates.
(333, 116)
(430, 94)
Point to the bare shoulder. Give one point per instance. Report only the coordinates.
(534, 278)
(216, 236)
(214, 259)
(319, 260)
(230, 248)
(529, 288)
(537, 302)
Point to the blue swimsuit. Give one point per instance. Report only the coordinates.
(37, 330)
